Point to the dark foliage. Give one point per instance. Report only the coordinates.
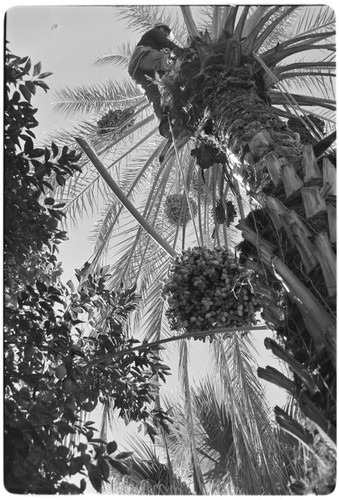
(55, 364)
(298, 125)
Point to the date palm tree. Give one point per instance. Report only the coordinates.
(236, 101)
(235, 91)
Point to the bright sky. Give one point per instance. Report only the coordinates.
(67, 40)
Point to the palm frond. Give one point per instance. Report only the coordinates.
(117, 60)
(198, 480)
(284, 13)
(131, 183)
(189, 21)
(253, 19)
(147, 467)
(299, 44)
(121, 58)
(314, 18)
(225, 458)
(216, 22)
(152, 319)
(95, 98)
(143, 17)
(81, 187)
(210, 410)
(229, 19)
(313, 66)
(238, 32)
(267, 23)
(279, 98)
(102, 230)
(150, 204)
(250, 419)
(317, 82)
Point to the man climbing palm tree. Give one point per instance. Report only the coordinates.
(151, 56)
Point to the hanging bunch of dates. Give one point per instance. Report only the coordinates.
(208, 289)
(115, 120)
(225, 213)
(206, 154)
(176, 209)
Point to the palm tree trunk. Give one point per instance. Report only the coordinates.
(294, 244)
(250, 129)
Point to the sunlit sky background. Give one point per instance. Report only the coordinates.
(67, 40)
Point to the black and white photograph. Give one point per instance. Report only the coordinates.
(169, 249)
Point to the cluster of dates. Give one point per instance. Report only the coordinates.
(208, 289)
(225, 213)
(176, 209)
(115, 120)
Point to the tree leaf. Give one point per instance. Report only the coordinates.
(95, 479)
(41, 84)
(37, 69)
(25, 92)
(55, 149)
(103, 468)
(111, 447)
(119, 466)
(123, 454)
(49, 201)
(31, 87)
(45, 75)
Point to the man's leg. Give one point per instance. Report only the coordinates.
(153, 61)
(153, 95)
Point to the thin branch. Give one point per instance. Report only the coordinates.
(150, 345)
(122, 197)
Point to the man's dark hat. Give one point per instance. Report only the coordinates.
(162, 25)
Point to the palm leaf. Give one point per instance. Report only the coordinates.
(314, 18)
(252, 22)
(95, 97)
(146, 467)
(238, 32)
(121, 58)
(279, 98)
(137, 175)
(189, 21)
(249, 415)
(287, 49)
(257, 23)
(81, 187)
(198, 480)
(229, 19)
(144, 17)
(259, 41)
